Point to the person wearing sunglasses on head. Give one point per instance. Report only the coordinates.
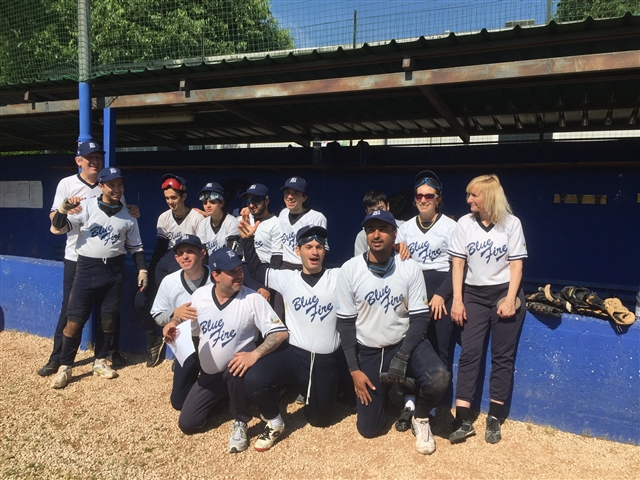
(295, 216)
(179, 220)
(428, 238)
(312, 357)
(490, 242)
(218, 226)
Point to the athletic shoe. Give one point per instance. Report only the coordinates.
(238, 441)
(117, 360)
(155, 352)
(267, 438)
(49, 369)
(102, 369)
(300, 400)
(425, 443)
(404, 422)
(62, 377)
(492, 433)
(461, 430)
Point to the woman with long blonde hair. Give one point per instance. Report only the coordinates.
(490, 242)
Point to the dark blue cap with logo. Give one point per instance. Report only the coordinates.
(312, 231)
(212, 187)
(224, 259)
(108, 174)
(188, 240)
(257, 189)
(87, 148)
(381, 215)
(298, 184)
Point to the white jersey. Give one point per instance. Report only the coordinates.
(488, 250)
(74, 186)
(170, 229)
(288, 232)
(382, 305)
(173, 292)
(431, 248)
(232, 327)
(361, 245)
(267, 239)
(214, 241)
(104, 236)
(310, 311)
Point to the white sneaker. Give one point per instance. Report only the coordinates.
(425, 443)
(61, 378)
(238, 441)
(267, 438)
(102, 369)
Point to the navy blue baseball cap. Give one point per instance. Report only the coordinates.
(381, 215)
(189, 240)
(257, 189)
(298, 184)
(108, 174)
(211, 190)
(173, 181)
(87, 148)
(311, 232)
(224, 259)
(427, 177)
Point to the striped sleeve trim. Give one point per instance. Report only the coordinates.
(422, 310)
(517, 257)
(456, 254)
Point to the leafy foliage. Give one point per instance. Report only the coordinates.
(572, 10)
(38, 38)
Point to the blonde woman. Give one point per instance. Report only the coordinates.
(491, 243)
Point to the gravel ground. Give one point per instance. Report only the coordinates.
(126, 428)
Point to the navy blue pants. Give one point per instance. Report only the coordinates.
(208, 390)
(97, 283)
(424, 365)
(291, 365)
(482, 318)
(69, 273)
(184, 377)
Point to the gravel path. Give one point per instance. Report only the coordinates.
(126, 428)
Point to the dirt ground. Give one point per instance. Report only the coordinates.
(126, 428)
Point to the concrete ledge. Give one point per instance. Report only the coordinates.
(577, 374)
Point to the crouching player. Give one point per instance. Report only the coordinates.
(172, 306)
(106, 232)
(230, 317)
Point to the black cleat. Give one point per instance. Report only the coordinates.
(492, 433)
(117, 360)
(404, 422)
(461, 430)
(49, 369)
(155, 352)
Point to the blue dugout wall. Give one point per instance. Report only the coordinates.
(566, 369)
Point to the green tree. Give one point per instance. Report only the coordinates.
(38, 38)
(572, 10)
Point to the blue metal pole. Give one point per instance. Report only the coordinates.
(84, 69)
(84, 97)
(109, 118)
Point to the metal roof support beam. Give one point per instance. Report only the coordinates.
(261, 122)
(445, 111)
(497, 72)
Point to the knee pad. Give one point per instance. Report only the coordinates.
(108, 322)
(73, 328)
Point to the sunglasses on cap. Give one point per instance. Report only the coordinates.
(173, 183)
(425, 196)
(255, 200)
(211, 196)
(429, 181)
(317, 238)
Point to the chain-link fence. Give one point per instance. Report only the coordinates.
(39, 38)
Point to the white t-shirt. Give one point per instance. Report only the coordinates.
(267, 239)
(288, 232)
(488, 250)
(103, 236)
(382, 305)
(361, 246)
(310, 311)
(168, 228)
(232, 327)
(174, 292)
(430, 248)
(74, 186)
(214, 241)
